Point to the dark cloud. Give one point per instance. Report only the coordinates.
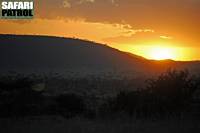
(179, 18)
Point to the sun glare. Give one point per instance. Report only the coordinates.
(161, 53)
(161, 50)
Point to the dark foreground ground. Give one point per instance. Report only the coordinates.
(57, 124)
(168, 104)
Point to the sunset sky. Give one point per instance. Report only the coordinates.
(154, 29)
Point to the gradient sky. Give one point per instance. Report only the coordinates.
(143, 27)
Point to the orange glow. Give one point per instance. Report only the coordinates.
(141, 42)
(160, 53)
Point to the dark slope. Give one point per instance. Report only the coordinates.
(43, 53)
(25, 53)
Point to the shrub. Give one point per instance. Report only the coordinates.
(16, 96)
(70, 105)
(172, 90)
(124, 102)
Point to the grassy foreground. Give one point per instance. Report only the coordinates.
(57, 124)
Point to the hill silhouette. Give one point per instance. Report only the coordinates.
(30, 53)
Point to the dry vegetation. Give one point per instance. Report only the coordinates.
(168, 103)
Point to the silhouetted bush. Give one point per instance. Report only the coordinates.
(169, 94)
(172, 90)
(70, 104)
(17, 97)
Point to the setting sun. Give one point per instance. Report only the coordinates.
(159, 53)
(138, 27)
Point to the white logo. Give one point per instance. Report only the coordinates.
(17, 9)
